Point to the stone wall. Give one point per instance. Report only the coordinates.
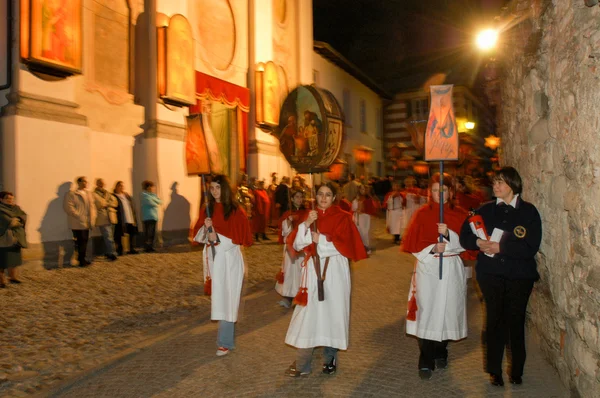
(549, 123)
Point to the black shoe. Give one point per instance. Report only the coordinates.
(425, 373)
(441, 363)
(84, 263)
(256, 238)
(516, 380)
(330, 368)
(133, 251)
(16, 281)
(496, 380)
(264, 237)
(150, 250)
(2, 286)
(111, 257)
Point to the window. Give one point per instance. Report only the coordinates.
(379, 118)
(421, 108)
(363, 116)
(347, 107)
(315, 77)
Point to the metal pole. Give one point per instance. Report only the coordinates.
(441, 211)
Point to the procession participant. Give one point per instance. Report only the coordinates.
(395, 203)
(273, 213)
(436, 308)
(244, 195)
(464, 197)
(363, 207)
(343, 202)
(507, 273)
(290, 275)
(324, 323)
(222, 255)
(413, 197)
(260, 211)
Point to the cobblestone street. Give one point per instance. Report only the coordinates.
(140, 327)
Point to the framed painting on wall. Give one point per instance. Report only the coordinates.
(51, 35)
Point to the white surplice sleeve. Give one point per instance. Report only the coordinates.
(303, 237)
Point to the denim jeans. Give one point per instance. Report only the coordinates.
(225, 337)
(304, 357)
(149, 233)
(109, 242)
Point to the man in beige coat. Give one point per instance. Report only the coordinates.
(81, 215)
(106, 206)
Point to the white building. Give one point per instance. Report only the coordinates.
(111, 119)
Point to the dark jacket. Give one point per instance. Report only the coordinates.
(120, 216)
(282, 197)
(519, 244)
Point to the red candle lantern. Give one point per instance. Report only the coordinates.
(421, 167)
(336, 170)
(363, 154)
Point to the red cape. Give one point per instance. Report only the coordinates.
(368, 206)
(260, 211)
(394, 194)
(235, 228)
(337, 226)
(300, 215)
(468, 201)
(422, 230)
(345, 205)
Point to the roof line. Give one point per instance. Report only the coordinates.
(330, 53)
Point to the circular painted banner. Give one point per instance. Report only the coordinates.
(310, 129)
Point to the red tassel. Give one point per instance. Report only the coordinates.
(280, 277)
(302, 297)
(208, 286)
(412, 308)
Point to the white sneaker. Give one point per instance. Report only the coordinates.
(222, 351)
(284, 303)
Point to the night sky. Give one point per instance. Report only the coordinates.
(390, 39)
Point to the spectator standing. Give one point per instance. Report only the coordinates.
(126, 219)
(282, 196)
(81, 214)
(12, 237)
(149, 204)
(351, 188)
(106, 208)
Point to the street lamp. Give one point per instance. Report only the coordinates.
(486, 40)
(336, 170)
(470, 125)
(492, 142)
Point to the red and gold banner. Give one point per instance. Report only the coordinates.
(441, 135)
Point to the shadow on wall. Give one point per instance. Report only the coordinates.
(57, 239)
(177, 220)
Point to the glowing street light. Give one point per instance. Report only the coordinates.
(487, 39)
(470, 125)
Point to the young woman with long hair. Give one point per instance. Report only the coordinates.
(329, 235)
(364, 207)
(224, 229)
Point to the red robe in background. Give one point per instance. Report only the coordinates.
(368, 205)
(260, 211)
(468, 201)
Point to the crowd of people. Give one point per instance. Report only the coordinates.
(323, 232)
(322, 229)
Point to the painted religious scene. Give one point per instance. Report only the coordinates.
(310, 129)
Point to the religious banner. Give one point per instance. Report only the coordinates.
(311, 145)
(441, 134)
(51, 35)
(202, 154)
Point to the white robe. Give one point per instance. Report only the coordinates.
(442, 304)
(322, 323)
(227, 274)
(292, 269)
(363, 223)
(413, 203)
(394, 219)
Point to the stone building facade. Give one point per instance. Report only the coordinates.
(546, 85)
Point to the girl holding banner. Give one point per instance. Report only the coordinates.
(437, 306)
(224, 230)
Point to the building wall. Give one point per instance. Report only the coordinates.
(549, 125)
(338, 81)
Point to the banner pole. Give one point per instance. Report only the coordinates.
(442, 210)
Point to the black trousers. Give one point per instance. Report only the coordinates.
(149, 233)
(129, 229)
(430, 351)
(505, 303)
(81, 237)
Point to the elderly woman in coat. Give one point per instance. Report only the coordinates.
(12, 237)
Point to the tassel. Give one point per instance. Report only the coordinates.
(208, 286)
(302, 297)
(412, 308)
(280, 277)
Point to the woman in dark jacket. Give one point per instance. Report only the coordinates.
(12, 237)
(126, 220)
(506, 270)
